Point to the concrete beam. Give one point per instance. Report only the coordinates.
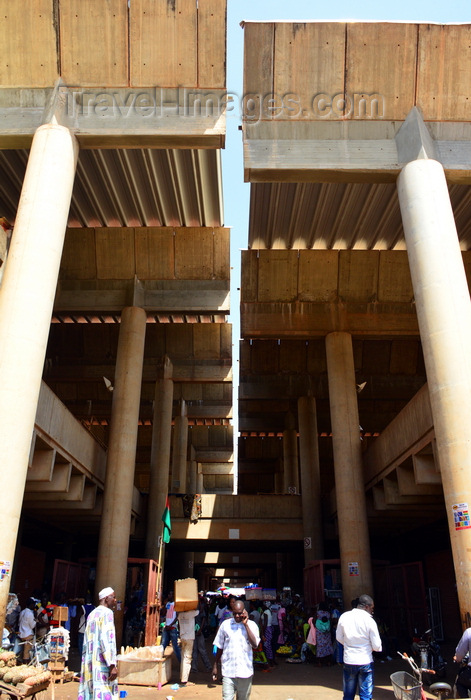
(293, 384)
(409, 487)
(90, 505)
(320, 161)
(406, 435)
(174, 301)
(75, 492)
(87, 503)
(393, 496)
(210, 411)
(59, 482)
(307, 320)
(41, 465)
(216, 468)
(214, 456)
(279, 530)
(425, 470)
(349, 151)
(380, 503)
(116, 117)
(232, 558)
(211, 371)
(58, 428)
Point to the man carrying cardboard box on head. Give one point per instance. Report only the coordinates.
(170, 630)
(186, 604)
(187, 636)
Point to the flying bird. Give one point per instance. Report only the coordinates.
(108, 384)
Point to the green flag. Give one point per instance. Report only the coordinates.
(167, 523)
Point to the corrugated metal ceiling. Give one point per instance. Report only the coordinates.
(338, 215)
(133, 187)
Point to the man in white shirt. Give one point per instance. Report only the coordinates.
(235, 641)
(26, 625)
(187, 636)
(359, 634)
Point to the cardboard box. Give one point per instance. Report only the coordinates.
(151, 672)
(186, 594)
(60, 613)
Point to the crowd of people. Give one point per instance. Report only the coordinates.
(248, 632)
(242, 632)
(35, 621)
(283, 628)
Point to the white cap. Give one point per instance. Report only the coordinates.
(105, 592)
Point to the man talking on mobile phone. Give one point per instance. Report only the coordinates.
(235, 640)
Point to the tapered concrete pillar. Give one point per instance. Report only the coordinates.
(115, 522)
(180, 450)
(444, 315)
(290, 457)
(355, 561)
(159, 458)
(26, 303)
(310, 479)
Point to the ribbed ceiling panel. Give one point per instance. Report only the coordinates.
(135, 187)
(338, 215)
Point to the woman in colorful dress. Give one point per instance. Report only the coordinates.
(324, 648)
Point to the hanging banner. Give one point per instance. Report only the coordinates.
(461, 516)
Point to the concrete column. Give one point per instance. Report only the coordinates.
(279, 477)
(192, 471)
(290, 455)
(280, 571)
(355, 561)
(115, 523)
(180, 450)
(199, 480)
(159, 458)
(444, 315)
(26, 303)
(187, 564)
(310, 478)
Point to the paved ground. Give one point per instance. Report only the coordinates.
(285, 682)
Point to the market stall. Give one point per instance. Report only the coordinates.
(22, 681)
(149, 666)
